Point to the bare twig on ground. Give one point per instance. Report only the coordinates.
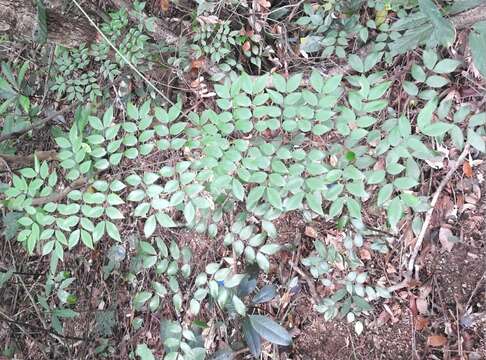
(58, 196)
(428, 216)
(310, 283)
(18, 161)
(476, 289)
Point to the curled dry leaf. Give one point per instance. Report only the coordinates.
(310, 232)
(467, 169)
(436, 340)
(164, 5)
(246, 46)
(421, 323)
(446, 238)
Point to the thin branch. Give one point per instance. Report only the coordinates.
(310, 283)
(428, 216)
(37, 124)
(58, 196)
(128, 62)
(18, 161)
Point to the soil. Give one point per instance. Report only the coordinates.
(443, 317)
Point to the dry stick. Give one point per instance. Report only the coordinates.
(128, 62)
(60, 195)
(18, 161)
(428, 216)
(309, 281)
(38, 123)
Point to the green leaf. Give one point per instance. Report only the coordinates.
(87, 239)
(314, 201)
(254, 196)
(477, 44)
(40, 35)
(144, 352)
(149, 226)
(274, 198)
(316, 80)
(189, 212)
(164, 220)
(476, 140)
(356, 63)
(252, 338)
(293, 82)
(444, 32)
(270, 330)
(239, 305)
(238, 189)
(112, 231)
(394, 211)
(424, 117)
(384, 194)
(140, 299)
(446, 66)
(332, 84)
(430, 58)
(410, 88)
(436, 81)
(405, 183)
(279, 82)
(436, 129)
(262, 262)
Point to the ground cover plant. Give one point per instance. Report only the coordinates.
(226, 180)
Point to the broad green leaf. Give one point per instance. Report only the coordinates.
(477, 44)
(149, 226)
(314, 201)
(252, 338)
(476, 140)
(384, 194)
(424, 117)
(446, 66)
(394, 211)
(270, 330)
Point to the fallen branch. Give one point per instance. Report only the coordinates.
(19, 161)
(58, 196)
(428, 216)
(310, 283)
(37, 124)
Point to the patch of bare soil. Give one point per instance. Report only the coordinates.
(444, 317)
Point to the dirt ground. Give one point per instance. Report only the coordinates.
(443, 317)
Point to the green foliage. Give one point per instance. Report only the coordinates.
(327, 147)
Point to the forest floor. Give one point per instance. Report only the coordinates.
(440, 314)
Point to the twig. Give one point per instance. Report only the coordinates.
(58, 196)
(19, 161)
(37, 124)
(476, 289)
(10, 320)
(128, 62)
(428, 216)
(315, 297)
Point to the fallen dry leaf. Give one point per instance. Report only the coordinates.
(164, 5)
(199, 63)
(445, 236)
(310, 232)
(364, 254)
(422, 306)
(436, 340)
(421, 323)
(246, 46)
(467, 169)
